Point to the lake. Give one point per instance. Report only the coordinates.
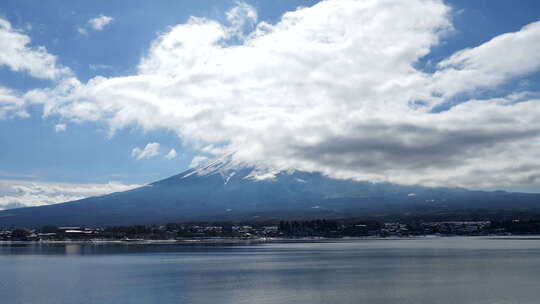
(431, 270)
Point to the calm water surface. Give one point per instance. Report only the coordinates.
(437, 270)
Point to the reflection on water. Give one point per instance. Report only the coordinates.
(440, 270)
(73, 249)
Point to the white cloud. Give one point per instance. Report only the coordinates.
(100, 22)
(17, 54)
(11, 105)
(171, 155)
(502, 58)
(242, 17)
(96, 24)
(24, 193)
(331, 88)
(60, 127)
(149, 151)
(82, 31)
(197, 161)
(95, 67)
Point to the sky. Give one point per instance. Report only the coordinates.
(101, 96)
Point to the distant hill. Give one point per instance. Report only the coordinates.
(223, 190)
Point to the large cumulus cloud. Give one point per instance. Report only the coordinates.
(332, 88)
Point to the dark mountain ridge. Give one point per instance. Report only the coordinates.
(223, 190)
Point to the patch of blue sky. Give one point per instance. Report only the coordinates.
(21, 81)
(84, 152)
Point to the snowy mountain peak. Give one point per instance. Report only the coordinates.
(227, 166)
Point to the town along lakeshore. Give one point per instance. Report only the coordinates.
(220, 232)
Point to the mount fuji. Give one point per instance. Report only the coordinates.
(227, 190)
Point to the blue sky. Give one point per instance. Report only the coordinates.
(263, 108)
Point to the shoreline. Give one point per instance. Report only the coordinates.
(233, 241)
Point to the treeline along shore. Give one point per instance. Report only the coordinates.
(322, 228)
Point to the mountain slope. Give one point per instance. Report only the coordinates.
(226, 190)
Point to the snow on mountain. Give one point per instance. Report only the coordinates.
(227, 167)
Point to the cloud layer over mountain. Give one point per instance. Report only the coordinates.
(334, 88)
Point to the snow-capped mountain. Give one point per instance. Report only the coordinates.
(226, 189)
(227, 167)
